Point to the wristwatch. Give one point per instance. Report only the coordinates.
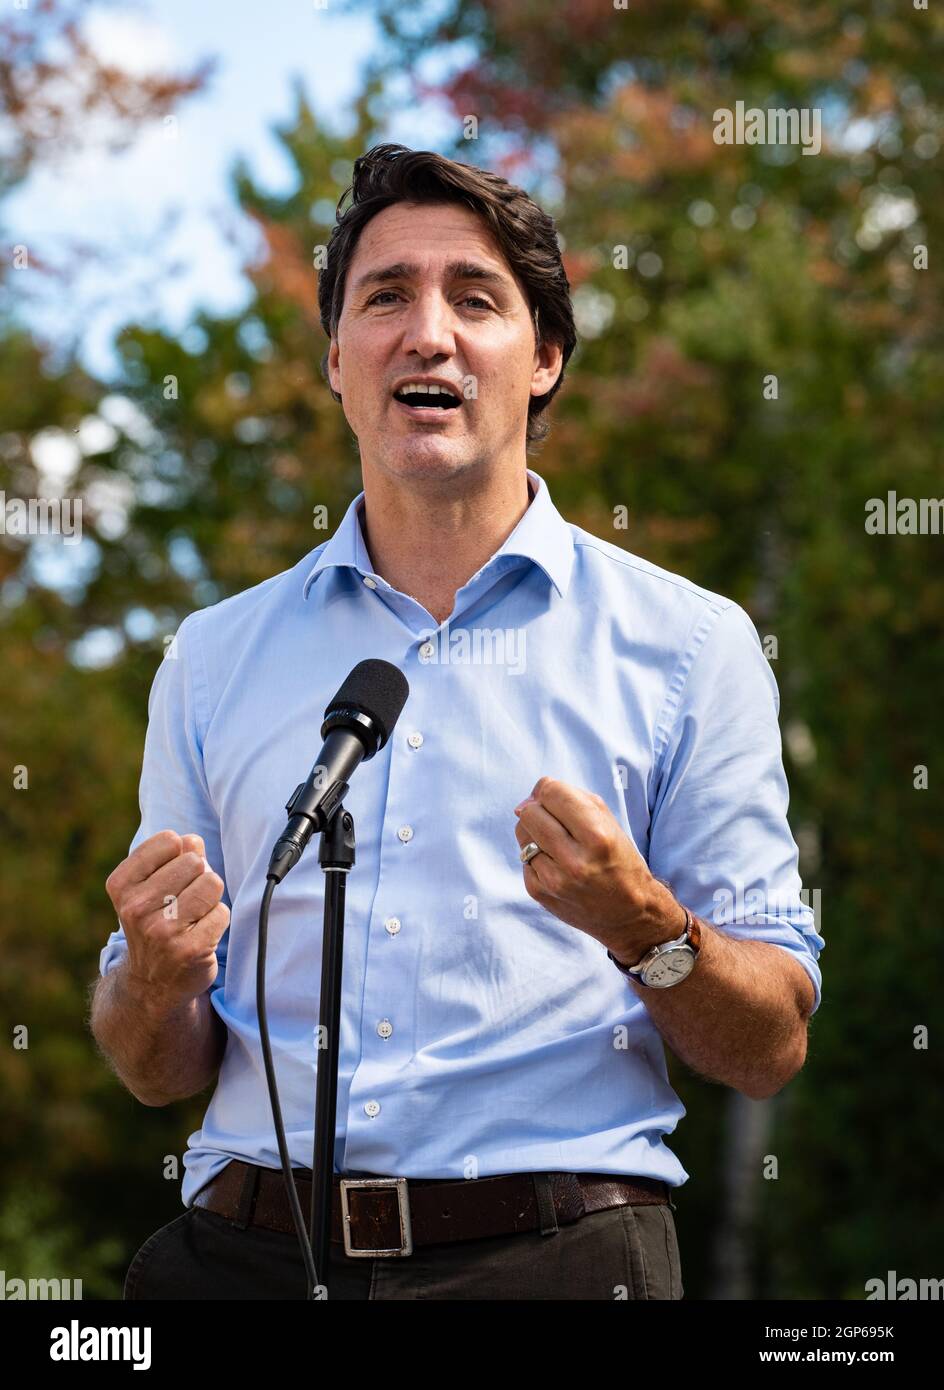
(668, 964)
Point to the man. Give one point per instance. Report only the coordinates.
(588, 763)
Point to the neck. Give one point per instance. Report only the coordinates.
(428, 543)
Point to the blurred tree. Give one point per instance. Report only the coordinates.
(208, 464)
(761, 345)
(70, 737)
(700, 272)
(53, 84)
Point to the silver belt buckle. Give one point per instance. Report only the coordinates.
(403, 1203)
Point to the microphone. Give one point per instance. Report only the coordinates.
(357, 724)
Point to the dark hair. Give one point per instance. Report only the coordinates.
(525, 233)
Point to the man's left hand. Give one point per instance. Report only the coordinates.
(590, 874)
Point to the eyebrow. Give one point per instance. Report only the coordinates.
(455, 270)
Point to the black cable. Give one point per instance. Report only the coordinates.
(290, 1187)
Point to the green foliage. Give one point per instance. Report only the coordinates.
(743, 263)
(41, 1239)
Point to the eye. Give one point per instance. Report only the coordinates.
(374, 299)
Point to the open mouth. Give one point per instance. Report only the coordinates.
(429, 405)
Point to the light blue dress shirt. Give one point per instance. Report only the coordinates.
(480, 1034)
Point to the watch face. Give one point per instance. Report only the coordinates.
(670, 967)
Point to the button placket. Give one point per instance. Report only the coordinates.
(392, 959)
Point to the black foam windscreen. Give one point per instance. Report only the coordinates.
(377, 688)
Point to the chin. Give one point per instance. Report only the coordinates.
(417, 456)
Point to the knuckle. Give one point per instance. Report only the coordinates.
(167, 840)
(177, 952)
(574, 869)
(554, 880)
(149, 929)
(598, 840)
(133, 907)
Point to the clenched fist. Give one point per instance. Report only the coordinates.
(168, 900)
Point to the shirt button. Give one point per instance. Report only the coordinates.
(426, 651)
(371, 583)
(415, 740)
(405, 833)
(385, 1028)
(372, 1108)
(393, 925)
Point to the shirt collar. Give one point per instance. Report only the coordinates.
(542, 536)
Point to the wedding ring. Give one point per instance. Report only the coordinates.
(529, 851)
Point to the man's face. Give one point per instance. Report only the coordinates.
(431, 315)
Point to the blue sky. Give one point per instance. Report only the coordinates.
(120, 203)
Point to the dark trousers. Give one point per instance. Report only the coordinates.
(626, 1252)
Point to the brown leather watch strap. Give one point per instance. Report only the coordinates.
(692, 938)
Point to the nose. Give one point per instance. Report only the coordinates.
(428, 330)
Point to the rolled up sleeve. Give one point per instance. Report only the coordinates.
(719, 833)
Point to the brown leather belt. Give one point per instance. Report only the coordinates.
(374, 1216)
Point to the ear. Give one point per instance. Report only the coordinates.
(334, 366)
(548, 364)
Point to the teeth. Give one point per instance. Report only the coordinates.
(426, 389)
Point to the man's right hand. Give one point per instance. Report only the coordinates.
(168, 900)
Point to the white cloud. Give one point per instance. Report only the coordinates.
(134, 43)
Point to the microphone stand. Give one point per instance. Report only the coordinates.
(336, 857)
